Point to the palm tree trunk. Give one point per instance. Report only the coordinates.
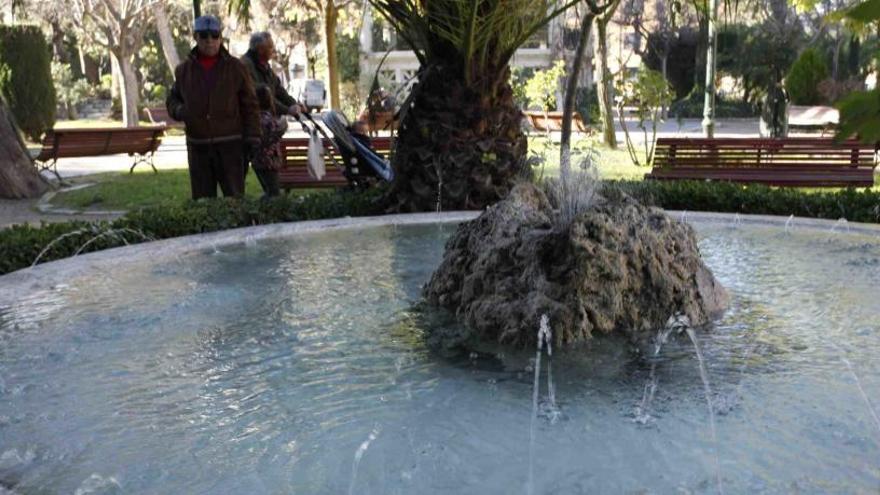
(165, 37)
(18, 177)
(456, 149)
(603, 88)
(331, 17)
(571, 92)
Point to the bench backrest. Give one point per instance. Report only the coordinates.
(552, 121)
(160, 115)
(741, 152)
(295, 171)
(68, 143)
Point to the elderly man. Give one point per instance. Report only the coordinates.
(214, 96)
(261, 51)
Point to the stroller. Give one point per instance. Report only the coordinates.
(361, 166)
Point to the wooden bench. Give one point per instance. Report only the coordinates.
(295, 172)
(552, 121)
(138, 142)
(809, 162)
(159, 116)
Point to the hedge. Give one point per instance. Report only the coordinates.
(26, 79)
(20, 245)
(855, 205)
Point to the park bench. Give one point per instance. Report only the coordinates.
(820, 118)
(808, 162)
(139, 142)
(295, 171)
(160, 116)
(552, 121)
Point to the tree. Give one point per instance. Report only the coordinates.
(118, 26)
(605, 84)
(460, 144)
(18, 176)
(329, 11)
(860, 111)
(169, 48)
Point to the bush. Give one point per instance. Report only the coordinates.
(26, 79)
(691, 107)
(802, 81)
(21, 244)
(70, 92)
(542, 87)
(851, 204)
(586, 103)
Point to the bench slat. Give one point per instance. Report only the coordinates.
(783, 162)
(295, 171)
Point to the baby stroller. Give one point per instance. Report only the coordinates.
(361, 166)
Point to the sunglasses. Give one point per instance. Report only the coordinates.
(208, 34)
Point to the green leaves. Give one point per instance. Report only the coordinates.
(477, 37)
(860, 115)
(864, 12)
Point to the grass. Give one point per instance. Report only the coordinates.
(124, 191)
(613, 164)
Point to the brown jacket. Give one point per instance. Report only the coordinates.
(226, 111)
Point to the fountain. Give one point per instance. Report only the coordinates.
(298, 364)
(607, 265)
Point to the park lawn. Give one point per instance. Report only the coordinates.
(124, 191)
(612, 164)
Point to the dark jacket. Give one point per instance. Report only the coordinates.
(216, 106)
(263, 75)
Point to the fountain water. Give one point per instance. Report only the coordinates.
(841, 222)
(858, 381)
(676, 323)
(359, 454)
(708, 391)
(544, 335)
(788, 223)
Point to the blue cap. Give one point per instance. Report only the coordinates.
(207, 23)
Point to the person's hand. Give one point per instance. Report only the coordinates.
(296, 109)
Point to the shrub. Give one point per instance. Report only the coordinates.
(691, 107)
(21, 244)
(802, 81)
(851, 204)
(649, 94)
(26, 79)
(542, 87)
(70, 93)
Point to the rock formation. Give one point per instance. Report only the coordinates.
(616, 267)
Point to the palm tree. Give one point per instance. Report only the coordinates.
(460, 145)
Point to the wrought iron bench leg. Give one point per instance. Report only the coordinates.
(51, 166)
(146, 159)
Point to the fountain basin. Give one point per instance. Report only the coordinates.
(288, 359)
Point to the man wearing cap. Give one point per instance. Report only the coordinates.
(214, 96)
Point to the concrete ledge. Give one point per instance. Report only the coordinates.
(15, 285)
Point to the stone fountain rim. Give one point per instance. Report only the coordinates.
(47, 275)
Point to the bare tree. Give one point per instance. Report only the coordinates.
(328, 11)
(604, 87)
(160, 15)
(118, 26)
